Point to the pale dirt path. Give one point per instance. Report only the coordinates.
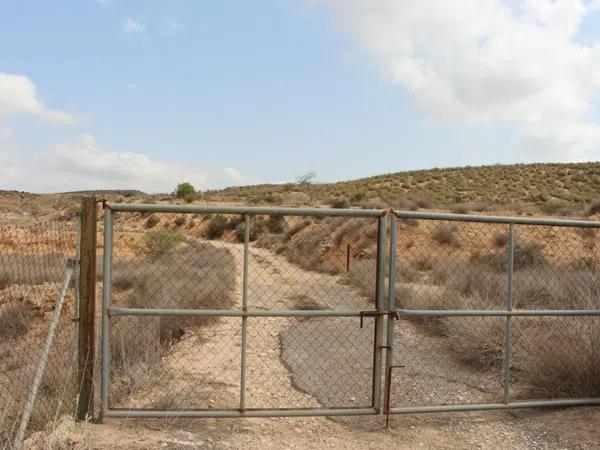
(205, 369)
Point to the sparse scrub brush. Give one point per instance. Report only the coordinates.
(152, 221)
(158, 242)
(275, 223)
(216, 227)
(340, 203)
(445, 234)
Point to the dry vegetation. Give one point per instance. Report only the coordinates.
(191, 274)
(552, 356)
(439, 267)
(552, 189)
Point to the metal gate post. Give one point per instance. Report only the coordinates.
(106, 286)
(380, 298)
(509, 307)
(389, 356)
(244, 317)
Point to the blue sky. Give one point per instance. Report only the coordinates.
(238, 92)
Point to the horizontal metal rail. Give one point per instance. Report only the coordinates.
(124, 413)
(495, 312)
(252, 210)
(239, 313)
(496, 219)
(495, 406)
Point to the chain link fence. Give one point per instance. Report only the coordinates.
(494, 313)
(234, 311)
(230, 314)
(33, 267)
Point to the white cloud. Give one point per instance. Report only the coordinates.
(593, 6)
(132, 26)
(83, 164)
(489, 61)
(18, 95)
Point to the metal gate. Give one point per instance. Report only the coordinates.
(473, 312)
(515, 298)
(283, 341)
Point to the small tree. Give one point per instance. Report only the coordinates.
(306, 183)
(186, 191)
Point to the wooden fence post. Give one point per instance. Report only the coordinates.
(87, 309)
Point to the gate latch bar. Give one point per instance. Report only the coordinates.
(368, 314)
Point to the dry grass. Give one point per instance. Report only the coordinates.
(197, 275)
(552, 356)
(14, 320)
(30, 269)
(19, 355)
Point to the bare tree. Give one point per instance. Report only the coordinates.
(305, 183)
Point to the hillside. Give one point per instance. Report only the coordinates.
(550, 187)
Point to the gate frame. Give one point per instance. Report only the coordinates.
(508, 313)
(381, 309)
(108, 311)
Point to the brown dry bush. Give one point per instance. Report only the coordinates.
(152, 221)
(500, 240)
(445, 234)
(552, 356)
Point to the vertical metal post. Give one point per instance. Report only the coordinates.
(348, 258)
(509, 306)
(380, 297)
(106, 300)
(86, 308)
(389, 356)
(244, 309)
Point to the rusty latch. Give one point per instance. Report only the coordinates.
(367, 313)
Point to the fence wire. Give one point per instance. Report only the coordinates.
(33, 265)
(220, 362)
(453, 265)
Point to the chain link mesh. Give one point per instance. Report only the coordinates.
(444, 265)
(33, 266)
(196, 262)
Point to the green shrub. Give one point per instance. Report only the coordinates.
(216, 227)
(158, 242)
(186, 191)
